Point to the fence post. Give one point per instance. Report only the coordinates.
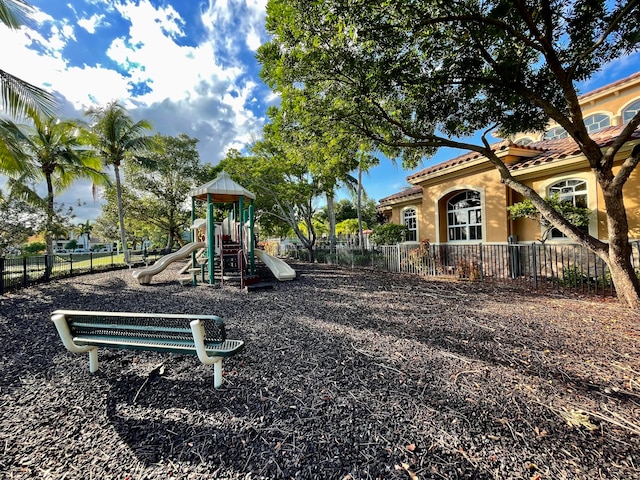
(535, 266)
(2, 276)
(91, 262)
(24, 272)
(48, 267)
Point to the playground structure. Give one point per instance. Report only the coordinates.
(221, 249)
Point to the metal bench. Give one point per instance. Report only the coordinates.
(201, 335)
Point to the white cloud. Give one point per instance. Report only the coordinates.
(90, 24)
(204, 90)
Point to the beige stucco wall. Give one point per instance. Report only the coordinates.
(528, 230)
(397, 214)
(492, 193)
(438, 189)
(432, 218)
(611, 102)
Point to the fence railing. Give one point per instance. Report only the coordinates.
(20, 272)
(560, 267)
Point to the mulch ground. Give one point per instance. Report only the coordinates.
(347, 374)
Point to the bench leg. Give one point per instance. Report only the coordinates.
(217, 374)
(93, 360)
(65, 335)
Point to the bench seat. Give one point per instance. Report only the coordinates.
(201, 335)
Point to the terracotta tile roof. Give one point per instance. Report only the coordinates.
(565, 147)
(466, 157)
(553, 149)
(407, 192)
(609, 86)
(550, 150)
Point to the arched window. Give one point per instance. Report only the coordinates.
(573, 191)
(597, 122)
(464, 216)
(524, 141)
(555, 133)
(629, 112)
(410, 220)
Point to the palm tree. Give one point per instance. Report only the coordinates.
(117, 137)
(83, 230)
(365, 162)
(20, 98)
(47, 150)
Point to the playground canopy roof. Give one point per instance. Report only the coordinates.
(222, 190)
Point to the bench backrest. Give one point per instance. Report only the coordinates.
(143, 325)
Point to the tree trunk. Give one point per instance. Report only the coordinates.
(123, 235)
(359, 210)
(624, 280)
(617, 253)
(619, 258)
(331, 213)
(48, 233)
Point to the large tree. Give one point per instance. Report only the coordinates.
(332, 154)
(284, 187)
(417, 76)
(50, 151)
(20, 98)
(18, 221)
(116, 137)
(107, 225)
(163, 190)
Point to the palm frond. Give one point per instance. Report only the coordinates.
(14, 13)
(20, 98)
(19, 188)
(15, 150)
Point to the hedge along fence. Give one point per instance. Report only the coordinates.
(559, 267)
(20, 272)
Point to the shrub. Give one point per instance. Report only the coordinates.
(467, 269)
(572, 276)
(388, 234)
(34, 248)
(419, 257)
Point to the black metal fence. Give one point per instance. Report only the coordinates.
(20, 272)
(560, 267)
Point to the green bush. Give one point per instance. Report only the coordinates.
(572, 276)
(34, 248)
(389, 234)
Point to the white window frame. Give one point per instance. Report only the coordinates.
(631, 110)
(555, 133)
(524, 141)
(592, 203)
(467, 224)
(595, 122)
(406, 220)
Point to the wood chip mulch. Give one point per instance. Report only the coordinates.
(347, 374)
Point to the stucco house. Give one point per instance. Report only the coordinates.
(463, 201)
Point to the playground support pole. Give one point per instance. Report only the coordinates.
(211, 239)
(252, 261)
(194, 278)
(240, 208)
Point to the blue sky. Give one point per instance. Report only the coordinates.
(187, 66)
